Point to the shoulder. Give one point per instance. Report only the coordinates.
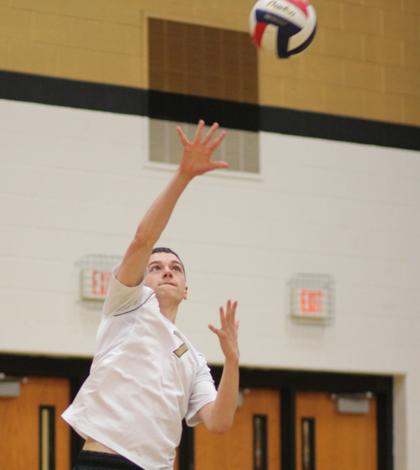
(122, 299)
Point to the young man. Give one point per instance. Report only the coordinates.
(146, 377)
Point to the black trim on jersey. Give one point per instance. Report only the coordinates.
(135, 307)
(187, 108)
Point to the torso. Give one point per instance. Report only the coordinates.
(95, 446)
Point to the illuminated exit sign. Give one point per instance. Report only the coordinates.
(311, 298)
(95, 274)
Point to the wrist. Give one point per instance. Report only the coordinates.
(184, 176)
(232, 360)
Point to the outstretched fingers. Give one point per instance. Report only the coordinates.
(197, 137)
(229, 316)
(222, 317)
(228, 331)
(215, 330)
(217, 142)
(234, 323)
(210, 133)
(182, 136)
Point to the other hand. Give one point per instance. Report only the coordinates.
(228, 333)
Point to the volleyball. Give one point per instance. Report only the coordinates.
(283, 27)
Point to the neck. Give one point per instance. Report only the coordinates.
(168, 309)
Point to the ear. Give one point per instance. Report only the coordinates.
(185, 297)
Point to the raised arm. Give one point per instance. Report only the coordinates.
(218, 415)
(196, 160)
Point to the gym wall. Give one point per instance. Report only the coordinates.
(364, 61)
(76, 180)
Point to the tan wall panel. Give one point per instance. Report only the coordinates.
(412, 109)
(329, 13)
(14, 23)
(344, 100)
(340, 44)
(269, 68)
(364, 75)
(323, 69)
(271, 89)
(48, 42)
(301, 94)
(114, 11)
(362, 19)
(411, 54)
(225, 14)
(393, 5)
(98, 66)
(26, 56)
(382, 50)
(4, 54)
(85, 33)
(401, 25)
(364, 50)
(369, 69)
(369, 104)
(398, 80)
(47, 6)
(412, 6)
(380, 106)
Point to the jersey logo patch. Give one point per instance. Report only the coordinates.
(181, 350)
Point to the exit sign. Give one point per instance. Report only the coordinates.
(311, 298)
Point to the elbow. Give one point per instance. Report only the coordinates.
(221, 428)
(224, 428)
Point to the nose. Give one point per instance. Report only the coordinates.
(167, 272)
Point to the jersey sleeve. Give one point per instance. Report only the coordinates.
(121, 298)
(203, 392)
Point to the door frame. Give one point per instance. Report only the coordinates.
(290, 382)
(287, 382)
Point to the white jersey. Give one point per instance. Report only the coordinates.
(144, 379)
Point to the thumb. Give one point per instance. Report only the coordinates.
(213, 329)
(220, 165)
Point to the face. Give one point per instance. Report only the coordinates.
(165, 275)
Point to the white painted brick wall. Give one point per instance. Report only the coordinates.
(74, 182)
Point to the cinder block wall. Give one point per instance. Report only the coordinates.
(364, 62)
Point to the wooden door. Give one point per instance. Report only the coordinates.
(26, 426)
(342, 441)
(242, 447)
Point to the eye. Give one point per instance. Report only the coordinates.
(176, 268)
(155, 267)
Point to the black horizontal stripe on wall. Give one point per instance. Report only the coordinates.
(347, 129)
(72, 93)
(187, 108)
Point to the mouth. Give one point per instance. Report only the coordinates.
(167, 284)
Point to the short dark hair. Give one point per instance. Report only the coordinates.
(164, 249)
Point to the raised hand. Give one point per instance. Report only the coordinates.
(196, 158)
(228, 333)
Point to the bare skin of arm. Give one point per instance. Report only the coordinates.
(218, 415)
(196, 160)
